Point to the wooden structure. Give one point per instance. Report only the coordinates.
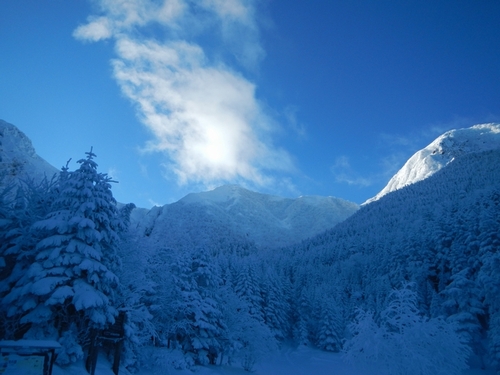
(28, 357)
(111, 338)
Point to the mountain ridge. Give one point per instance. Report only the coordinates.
(266, 220)
(440, 152)
(18, 158)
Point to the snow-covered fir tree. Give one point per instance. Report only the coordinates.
(199, 328)
(275, 303)
(405, 342)
(330, 329)
(69, 286)
(20, 206)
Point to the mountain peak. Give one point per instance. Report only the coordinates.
(18, 157)
(266, 220)
(442, 151)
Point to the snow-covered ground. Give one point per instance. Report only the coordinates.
(299, 361)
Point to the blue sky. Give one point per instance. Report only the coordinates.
(283, 97)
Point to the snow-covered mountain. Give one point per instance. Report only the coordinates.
(416, 271)
(228, 214)
(234, 212)
(440, 234)
(18, 158)
(441, 152)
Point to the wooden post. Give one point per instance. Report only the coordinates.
(91, 362)
(118, 351)
(114, 335)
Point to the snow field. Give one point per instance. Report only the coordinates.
(289, 361)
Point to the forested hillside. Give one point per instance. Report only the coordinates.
(441, 234)
(436, 239)
(415, 273)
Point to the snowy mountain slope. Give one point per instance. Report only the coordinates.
(18, 158)
(234, 212)
(440, 233)
(441, 152)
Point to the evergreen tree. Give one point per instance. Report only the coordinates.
(20, 206)
(330, 328)
(464, 304)
(494, 339)
(71, 281)
(488, 275)
(247, 287)
(247, 339)
(405, 342)
(136, 294)
(275, 309)
(199, 327)
(302, 313)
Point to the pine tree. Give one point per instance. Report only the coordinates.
(464, 304)
(330, 328)
(494, 339)
(199, 327)
(20, 206)
(301, 312)
(247, 287)
(405, 342)
(72, 278)
(276, 309)
(488, 275)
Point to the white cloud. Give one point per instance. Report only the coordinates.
(97, 29)
(232, 9)
(397, 140)
(342, 162)
(121, 16)
(203, 114)
(113, 173)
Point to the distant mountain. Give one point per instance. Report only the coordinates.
(228, 214)
(441, 152)
(18, 159)
(234, 212)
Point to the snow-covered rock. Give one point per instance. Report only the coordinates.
(441, 152)
(18, 159)
(234, 212)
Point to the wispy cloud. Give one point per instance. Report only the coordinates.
(344, 173)
(113, 173)
(203, 114)
(391, 164)
(297, 127)
(397, 140)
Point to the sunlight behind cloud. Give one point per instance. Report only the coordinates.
(203, 114)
